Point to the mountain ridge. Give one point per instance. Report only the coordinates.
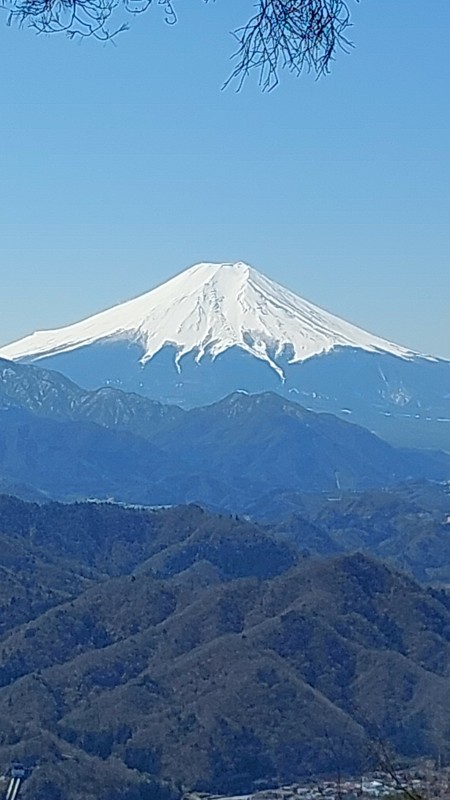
(70, 444)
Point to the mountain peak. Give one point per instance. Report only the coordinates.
(208, 309)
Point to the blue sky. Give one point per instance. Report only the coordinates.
(120, 166)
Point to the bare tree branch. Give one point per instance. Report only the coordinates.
(290, 34)
(387, 764)
(80, 18)
(296, 35)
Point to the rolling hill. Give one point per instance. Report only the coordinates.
(157, 650)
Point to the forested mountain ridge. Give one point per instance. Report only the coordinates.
(49, 394)
(407, 525)
(142, 646)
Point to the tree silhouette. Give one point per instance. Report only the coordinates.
(296, 35)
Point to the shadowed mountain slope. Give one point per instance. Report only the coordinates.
(266, 439)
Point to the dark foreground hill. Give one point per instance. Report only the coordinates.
(142, 652)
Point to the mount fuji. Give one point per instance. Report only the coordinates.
(218, 328)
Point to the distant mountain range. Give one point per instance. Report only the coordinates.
(62, 442)
(148, 651)
(259, 455)
(219, 328)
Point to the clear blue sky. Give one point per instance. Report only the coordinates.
(121, 166)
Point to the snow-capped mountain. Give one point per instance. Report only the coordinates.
(217, 328)
(206, 310)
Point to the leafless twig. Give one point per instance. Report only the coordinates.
(290, 34)
(296, 35)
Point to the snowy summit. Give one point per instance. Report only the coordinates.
(208, 309)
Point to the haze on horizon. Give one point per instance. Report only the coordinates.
(130, 165)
